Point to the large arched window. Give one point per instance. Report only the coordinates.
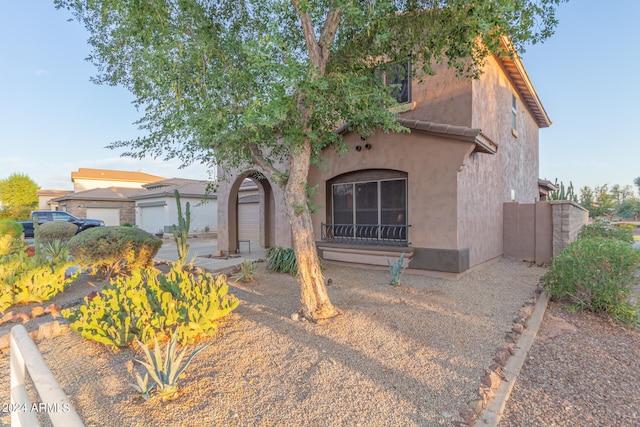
(368, 207)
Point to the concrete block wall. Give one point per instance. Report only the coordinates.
(568, 219)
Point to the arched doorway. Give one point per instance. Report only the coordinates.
(251, 187)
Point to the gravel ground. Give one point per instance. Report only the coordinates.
(398, 356)
(581, 371)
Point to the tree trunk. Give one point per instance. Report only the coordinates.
(314, 297)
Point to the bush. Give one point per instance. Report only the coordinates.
(56, 230)
(596, 274)
(114, 249)
(10, 245)
(151, 304)
(282, 260)
(11, 228)
(603, 229)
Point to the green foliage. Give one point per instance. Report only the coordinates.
(56, 230)
(181, 231)
(164, 371)
(596, 274)
(604, 229)
(55, 250)
(629, 209)
(247, 271)
(282, 260)
(24, 279)
(18, 196)
(10, 245)
(396, 269)
(149, 303)
(11, 228)
(114, 249)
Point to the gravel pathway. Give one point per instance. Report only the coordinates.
(398, 356)
(581, 371)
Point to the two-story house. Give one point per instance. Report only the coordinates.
(435, 193)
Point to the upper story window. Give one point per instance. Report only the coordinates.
(398, 75)
(514, 111)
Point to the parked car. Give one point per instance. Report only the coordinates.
(46, 216)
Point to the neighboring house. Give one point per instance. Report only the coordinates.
(45, 196)
(156, 209)
(87, 179)
(435, 193)
(112, 205)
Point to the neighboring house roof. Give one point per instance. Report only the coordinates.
(544, 184)
(483, 143)
(166, 187)
(111, 193)
(113, 175)
(52, 193)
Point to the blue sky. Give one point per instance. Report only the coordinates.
(53, 120)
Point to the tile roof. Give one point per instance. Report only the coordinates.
(111, 193)
(113, 175)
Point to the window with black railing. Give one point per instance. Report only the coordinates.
(368, 212)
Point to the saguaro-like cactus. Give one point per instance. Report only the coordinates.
(181, 231)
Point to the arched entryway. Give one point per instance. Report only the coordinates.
(248, 187)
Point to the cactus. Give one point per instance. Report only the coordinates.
(181, 231)
(563, 193)
(396, 269)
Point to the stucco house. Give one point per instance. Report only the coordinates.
(156, 209)
(435, 193)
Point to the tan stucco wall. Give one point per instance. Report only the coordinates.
(442, 98)
(278, 235)
(431, 164)
(568, 220)
(487, 181)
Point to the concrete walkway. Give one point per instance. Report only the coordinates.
(202, 249)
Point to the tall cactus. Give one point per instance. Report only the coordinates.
(181, 231)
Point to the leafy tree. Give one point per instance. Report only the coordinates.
(637, 183)
(629, 209)
(268, 82)
(18, 195)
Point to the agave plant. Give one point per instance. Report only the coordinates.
(396, 269)
(247, 271)
(164, 371)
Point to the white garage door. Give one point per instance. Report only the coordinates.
(152, 218)
(249, 221)
(110, 216)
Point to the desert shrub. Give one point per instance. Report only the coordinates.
(24, 279)
(596, 274)
(246, 271)
(55, 250)
(151, 304)
(625, 225)
(56, 230)
(114, 249)
(10, 227)
(10, 245)
(604, 229)
(282, 260)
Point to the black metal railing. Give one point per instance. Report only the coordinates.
(366, 234)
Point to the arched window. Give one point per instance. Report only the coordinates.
(368, 207)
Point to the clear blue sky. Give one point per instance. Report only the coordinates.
(53, 120)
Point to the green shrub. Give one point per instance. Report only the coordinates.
(282, 260)
(625, 225)
(10, 245)
(55, 250)
(149, 304)
(56, 230)
(114, 249)
(596, 274)
(604, 229)
(11, 228)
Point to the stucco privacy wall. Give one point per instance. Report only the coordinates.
(568, 219)
(486, 181)
(274, 232)
(431, 164)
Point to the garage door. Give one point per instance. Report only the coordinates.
(110, 216)
(153, 218)
(249, 221)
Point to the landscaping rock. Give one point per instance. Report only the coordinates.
(21, 317)
(37, 311)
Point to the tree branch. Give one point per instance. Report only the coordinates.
(261, 161)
